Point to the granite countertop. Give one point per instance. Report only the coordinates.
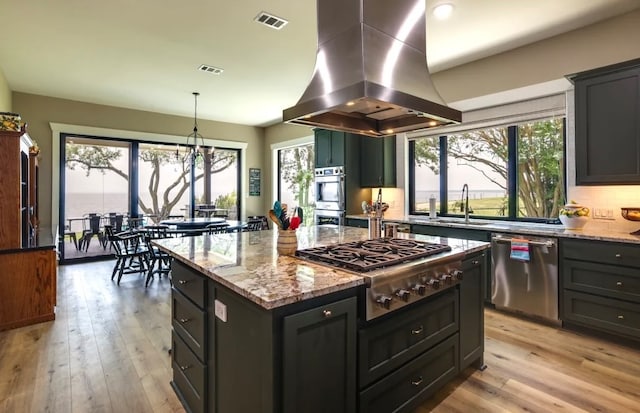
(524, 228)
(248, 263)
(45, 241)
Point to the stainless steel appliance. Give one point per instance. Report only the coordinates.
(371, 75)
(330, 195)
(527, 285)
(397, 271)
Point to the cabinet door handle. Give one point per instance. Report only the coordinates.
(327, 313)
(184, 320)
(475, 262)
(417, 382)
(417, 331)
(621, 317)
(183, 368)
(618, 255)
(619, 283)
(182, 282)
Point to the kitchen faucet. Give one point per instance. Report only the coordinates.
(464, 203)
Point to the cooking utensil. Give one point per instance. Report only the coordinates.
(295, 223)
(275, 218)
(277, 208)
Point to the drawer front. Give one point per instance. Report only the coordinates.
(406, 388)
(189, 283)
(189, 374)
(608, 280)
(602, 313)
(386, 346)
(602, 252)
(190, 322)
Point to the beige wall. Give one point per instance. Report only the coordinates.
(39, 111)
(5, 94)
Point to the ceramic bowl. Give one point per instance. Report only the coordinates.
(573, 222)
(630, 213)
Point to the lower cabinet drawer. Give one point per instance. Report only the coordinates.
(189, 321)
(189, 374)
(603, 313)
(386, 346)
(403, 390)
(189, 283)
(609, 280)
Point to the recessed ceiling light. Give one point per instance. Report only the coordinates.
(443, 11)
(351, 103)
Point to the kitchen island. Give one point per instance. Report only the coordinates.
(258, 332)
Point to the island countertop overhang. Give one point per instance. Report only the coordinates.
(248, 263)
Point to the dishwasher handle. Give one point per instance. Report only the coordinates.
(546, 243)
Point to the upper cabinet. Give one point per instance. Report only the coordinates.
(330, 148)
(378, 162)
(608, 125)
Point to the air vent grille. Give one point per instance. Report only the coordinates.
(270, 20)
(211, 69)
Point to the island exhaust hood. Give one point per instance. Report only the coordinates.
(371, 75)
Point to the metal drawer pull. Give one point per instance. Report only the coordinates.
(183, 320)
(475, 262)
(547, 243)
(620, 317)
(417, 331)
(182, 282)
(417, 382)
(619, 283)
(327, 313)
(618, 255)
(183, 368)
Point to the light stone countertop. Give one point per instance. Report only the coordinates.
(524, 228)
(248, 263)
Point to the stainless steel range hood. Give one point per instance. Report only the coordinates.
(371, 74)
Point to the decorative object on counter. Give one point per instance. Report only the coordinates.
(287, 240)
(574, 216)
(375, 227)
(391, 229)
(631, 214)
(432, 206)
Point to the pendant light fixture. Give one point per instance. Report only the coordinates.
(195, 141)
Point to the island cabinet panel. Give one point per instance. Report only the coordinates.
(601, 287)
(608, 125)
(320, 340)
(386, 346)
(404, 389)
(472, 312)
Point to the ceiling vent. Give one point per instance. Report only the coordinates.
(211, 69)
(270, 20)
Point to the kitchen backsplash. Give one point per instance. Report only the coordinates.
(394, 197)
(608, 198)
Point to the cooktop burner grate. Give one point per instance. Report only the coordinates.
(363, 256)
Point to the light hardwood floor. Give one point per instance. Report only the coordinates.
(107, 352)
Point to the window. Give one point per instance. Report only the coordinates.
(295, 178)
(225, 167)
(515, 171)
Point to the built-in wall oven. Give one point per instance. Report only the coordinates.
(330, 195)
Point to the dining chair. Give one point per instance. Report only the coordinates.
(254, 225)
(94, 230)
(132, 255)
(159, 261)
(72, 236)
(217, 228)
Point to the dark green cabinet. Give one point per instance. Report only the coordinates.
(321, 340)
(378, 162)
(601, 287)
(472, 311)
(330, 148)
(607, 102)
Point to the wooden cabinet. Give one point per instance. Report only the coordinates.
(472, 312)
(321, 340)
(607, 102)
(601, 287)
(378, 162)
(330, 148)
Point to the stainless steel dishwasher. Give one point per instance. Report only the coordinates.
(524, 275)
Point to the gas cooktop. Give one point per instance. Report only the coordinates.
(364, 256)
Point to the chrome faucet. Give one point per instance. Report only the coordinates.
(464, 203)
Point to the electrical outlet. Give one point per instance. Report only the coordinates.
(603, 213)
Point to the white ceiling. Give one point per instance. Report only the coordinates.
(144, 54)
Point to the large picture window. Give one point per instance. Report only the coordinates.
(513, 171)
(295, 178)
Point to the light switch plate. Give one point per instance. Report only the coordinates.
(220, 310)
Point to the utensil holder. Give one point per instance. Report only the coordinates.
(287, 242)
(390, 229)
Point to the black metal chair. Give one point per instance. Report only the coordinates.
(218, 228)
(94, 230)
(254, 225)
(132, 255)
(72, 236)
